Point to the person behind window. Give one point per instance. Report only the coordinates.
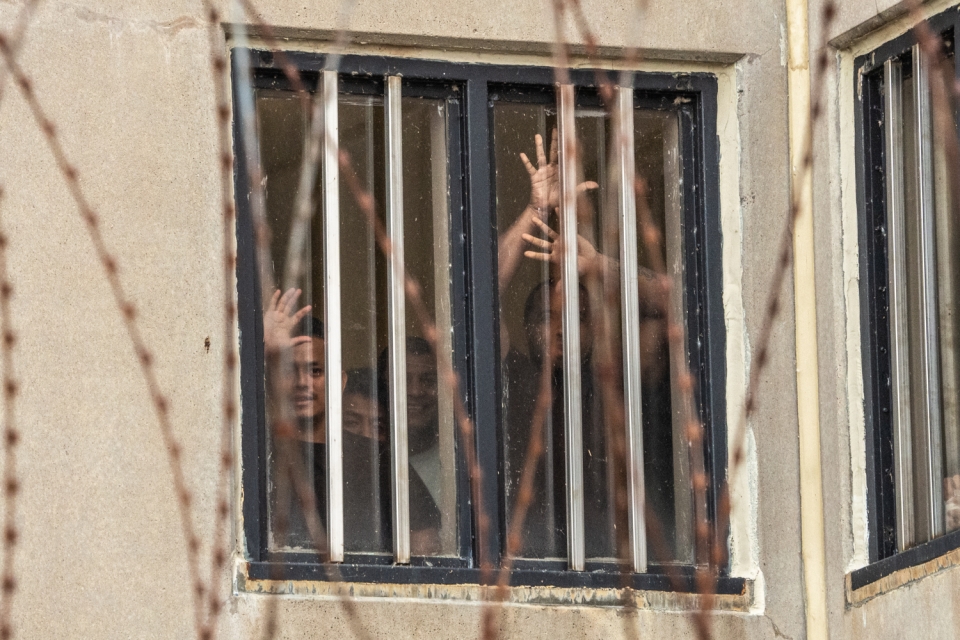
(423, 439)
(423, 426)
(532, 237)
(295, 342)
(544, 533)
(363, 410)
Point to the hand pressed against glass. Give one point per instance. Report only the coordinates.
(544, 200)
(588, 258)
(544, 178)
(280, 320)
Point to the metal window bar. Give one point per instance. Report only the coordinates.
(897, 282)
(572, 392)
(331, 313)
(396, 306)
(929, 434)
(630, 308)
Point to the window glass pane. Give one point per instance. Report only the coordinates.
(529, 317)
(667, 478)
(297, 455)
(296, 384)
(363, 278)
(430, 423)
(531, 334)
(604, 442)
(296, 397)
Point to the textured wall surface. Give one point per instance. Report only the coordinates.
(130, 88)
(925, 608)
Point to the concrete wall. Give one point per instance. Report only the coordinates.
(926, 607)
(130, 88)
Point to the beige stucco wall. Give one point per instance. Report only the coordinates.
(130, 88)
(925, 608)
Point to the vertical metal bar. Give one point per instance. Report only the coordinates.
(572, 400)
(897, 280)
(396, 305)
(930, 458)
(331, 312)
(630, 305)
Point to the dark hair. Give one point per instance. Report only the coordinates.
(416, 346)
(309, 326)
(535, 299)
(362, 382)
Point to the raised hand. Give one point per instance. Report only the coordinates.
(588, 258)
(280, 319)
(544, 178)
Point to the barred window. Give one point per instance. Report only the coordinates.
(911, 270)
(526, 232)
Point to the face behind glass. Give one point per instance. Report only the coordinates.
(544, 328)
(305, 380)
(421, 391)
(362, 416)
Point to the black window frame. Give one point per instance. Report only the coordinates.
(473, 249)
(874, 318)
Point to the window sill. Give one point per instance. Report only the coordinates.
(592, 588)
(904, 568)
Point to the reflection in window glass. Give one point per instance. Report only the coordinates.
(531, 332)
(298, 397)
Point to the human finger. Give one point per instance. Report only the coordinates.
(553, 235)
(292, 301)
(587, 186)
(274, 300)
(285, 300)
(554, 147)
(541, 157)
(536, 255)
(538, 242)
(299, 314)
(532, 170)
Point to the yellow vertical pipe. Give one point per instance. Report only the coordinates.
(805, 315)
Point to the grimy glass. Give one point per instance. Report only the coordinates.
(583, 296)
(387, 481)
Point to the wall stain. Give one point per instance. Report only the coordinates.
(169, 28)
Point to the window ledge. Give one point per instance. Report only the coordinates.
(904, 568)
(651, 591)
